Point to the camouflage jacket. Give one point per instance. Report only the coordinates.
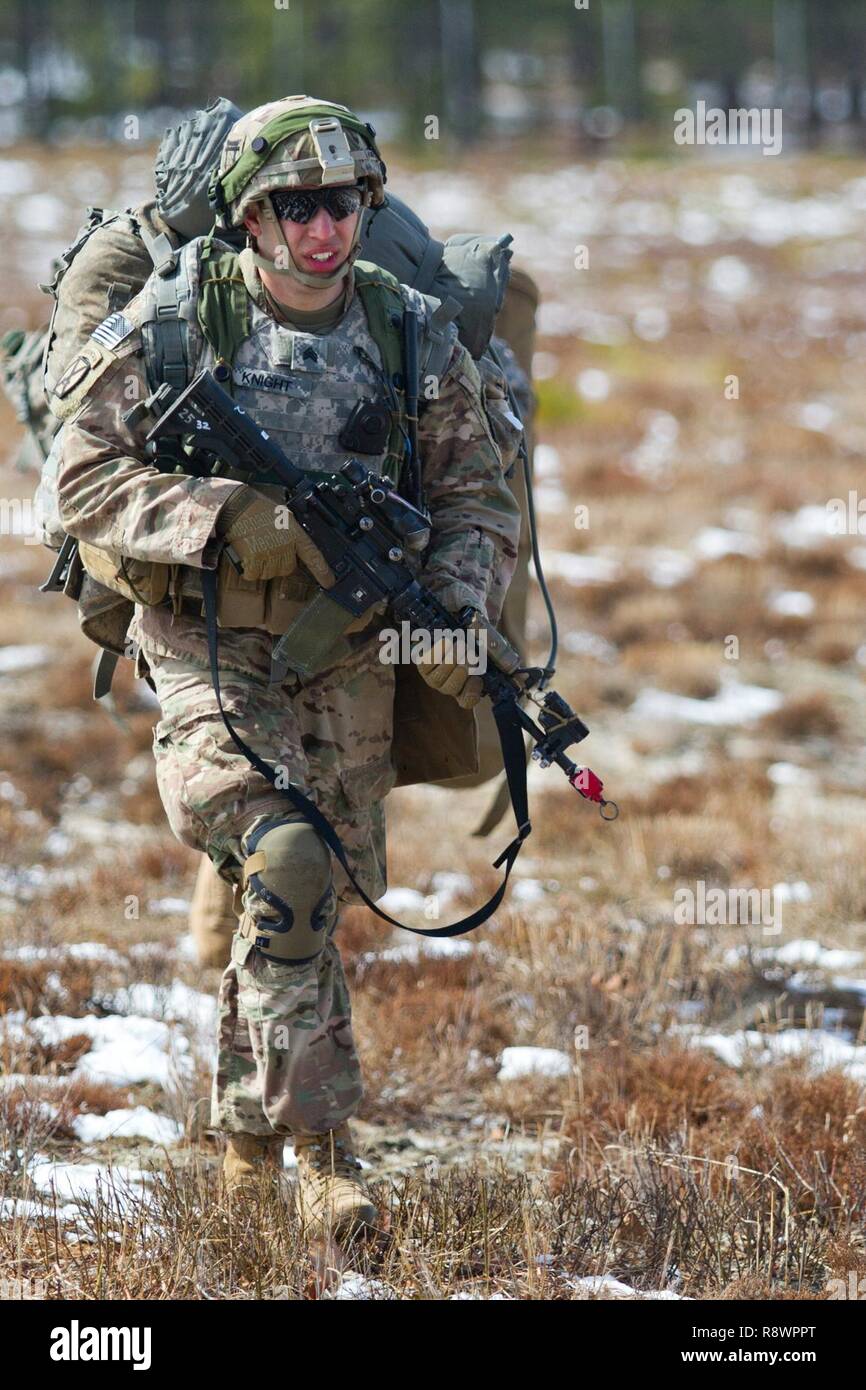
(111, 497)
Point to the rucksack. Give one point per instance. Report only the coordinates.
(467, 270)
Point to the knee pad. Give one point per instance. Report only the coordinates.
(289, 899)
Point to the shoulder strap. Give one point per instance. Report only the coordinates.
(383, 303)
(96, 217)
(385, 300)
(165, 329)
(160, 249)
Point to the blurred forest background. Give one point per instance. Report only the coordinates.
(73, 69)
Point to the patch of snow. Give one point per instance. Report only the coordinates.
(690, 1008)
(614, 1288)
(791, 603)
(168, 907)
(580, 569)
(823, 1051)
(731, 277)
(651, 323)
(545, 461)
(185, 949)
(74, 1181)
(714, 542)
(451, 885)
(432, 946)
(666, 568)
(9, 1080)
(358, 1286)
(139, 1123)
(17, 1208)
(803, 951)
(798, 892)
(735, 703)
(804, 528)
(593, 384)
(550, 498)
(397, 900)
(790, 775)
(517, 1062)
(583, 643)
(815, 415)
(527, 890)
(56, 843)
(78, 950)
(123, 1049)
(844, 982)
(176, 1003)
(23, 658)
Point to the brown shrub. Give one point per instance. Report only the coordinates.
(803, 716)
(643, 617)
(683, 795)
(359, 930)
(654, 1094)
(61, 1056)
(812, 1134)
(688, 668)
(23, 985)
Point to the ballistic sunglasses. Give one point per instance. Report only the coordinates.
(302, 204)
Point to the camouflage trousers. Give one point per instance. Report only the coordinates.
(287, 1060)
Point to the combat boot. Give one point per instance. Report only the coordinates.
(249, 1158)
(332, 1194)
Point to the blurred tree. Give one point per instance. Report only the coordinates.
(409, 59)
(459, 67)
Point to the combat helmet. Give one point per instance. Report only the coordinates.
(298, 142)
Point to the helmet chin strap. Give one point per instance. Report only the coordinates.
(291, 267)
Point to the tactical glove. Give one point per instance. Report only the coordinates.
(451, 677)
(266, 550)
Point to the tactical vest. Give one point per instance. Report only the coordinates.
(298, 386)
(243, 345)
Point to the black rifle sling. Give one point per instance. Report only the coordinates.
(513, 754)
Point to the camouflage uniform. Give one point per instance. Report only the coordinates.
(287, 1059)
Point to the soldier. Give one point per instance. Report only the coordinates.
(300, 334)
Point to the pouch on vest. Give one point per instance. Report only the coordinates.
(507, 428)
(271, 604)
(139, 581)
(103, 615)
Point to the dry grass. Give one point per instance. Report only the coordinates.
(650, 1158)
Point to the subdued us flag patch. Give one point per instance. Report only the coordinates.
(112, 331)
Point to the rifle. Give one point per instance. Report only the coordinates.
(364, 529)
